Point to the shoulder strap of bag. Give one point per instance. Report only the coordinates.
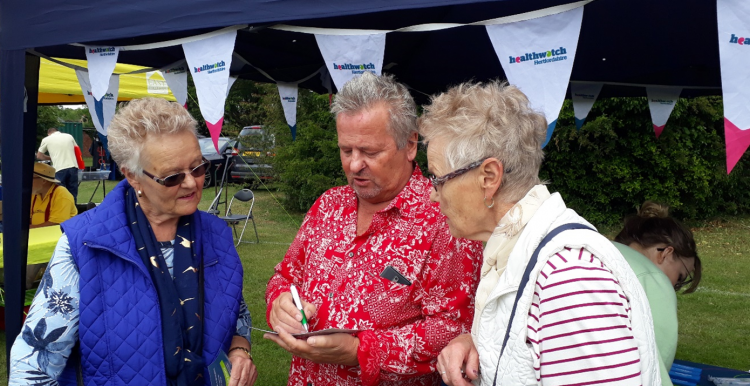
(525, 279)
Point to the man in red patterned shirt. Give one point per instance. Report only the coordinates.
(382, 218)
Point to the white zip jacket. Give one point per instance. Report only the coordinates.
(516, 365)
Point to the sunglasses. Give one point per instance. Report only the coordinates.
(681, 282)
(176, 179)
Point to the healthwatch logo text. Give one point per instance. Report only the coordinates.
(289, 99)
(355, 68)
(550, 56)
(103, 51)
(211, 68)
(739, 40)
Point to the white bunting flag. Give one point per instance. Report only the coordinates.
(176, 77)
(230, 83)
(537, 56)
(734, 54)
(348, 56)
(661, 101)
(156, 84)
(584, 96)
(288, 93)
(101, 63)
(101, 110)
(209, 61)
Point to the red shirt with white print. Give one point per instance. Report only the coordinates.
(404, 327)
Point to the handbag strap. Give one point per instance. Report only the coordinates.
(525, 280)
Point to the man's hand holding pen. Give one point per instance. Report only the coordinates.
(286, 319)
(285, 314)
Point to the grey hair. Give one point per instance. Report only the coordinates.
(368, 90)
(141, 120)
(479, 121)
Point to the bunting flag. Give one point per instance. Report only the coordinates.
(288, 93)
(584, 96)
(347, 56)
(209, 61)
(537, 56)
(176, 77)
(734, 36)
(101, 110)
(230, 83)
(661, 101)
(101, 64)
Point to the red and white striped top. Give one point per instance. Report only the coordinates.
(579, 324)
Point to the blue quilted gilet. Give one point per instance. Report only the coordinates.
(120, 325)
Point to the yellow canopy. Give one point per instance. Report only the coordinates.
(58, 84)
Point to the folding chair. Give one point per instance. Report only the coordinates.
(243, 195)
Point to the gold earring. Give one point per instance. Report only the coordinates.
(490, 205)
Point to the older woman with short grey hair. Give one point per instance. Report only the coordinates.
(144, 289)
(557, 303)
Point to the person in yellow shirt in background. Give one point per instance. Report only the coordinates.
(51, 204)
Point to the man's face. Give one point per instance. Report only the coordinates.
(38, 185)
(375, 168)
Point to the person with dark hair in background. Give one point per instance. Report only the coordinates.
(662, 253)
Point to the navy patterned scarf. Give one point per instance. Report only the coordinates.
(180, 298)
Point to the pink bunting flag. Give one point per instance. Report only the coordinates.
(734, 54)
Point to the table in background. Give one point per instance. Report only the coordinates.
(42, 242)
(100, 176)
(714, 371)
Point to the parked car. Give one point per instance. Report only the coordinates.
(218, 160)
(254, 147)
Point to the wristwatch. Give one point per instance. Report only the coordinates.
(242, 349)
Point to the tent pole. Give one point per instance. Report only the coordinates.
(18, 136)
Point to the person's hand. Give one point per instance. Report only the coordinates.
(244, 372)
(338, 349)
(458, 361)
(285, 314)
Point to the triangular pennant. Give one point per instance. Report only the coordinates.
(230, 83)
(537, 56)
(209, 61)
(101, 110)
(734, 52)
(176, 77)
(348, 56)
(288, 93)
(584, 96)
(101, 63)
(661, 102)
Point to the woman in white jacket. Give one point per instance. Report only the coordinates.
(580, 317)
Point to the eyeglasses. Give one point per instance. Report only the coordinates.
(176, 179)
(681, 282)
(439, 181)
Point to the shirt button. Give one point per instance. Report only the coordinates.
(330, 295)
(351, 254)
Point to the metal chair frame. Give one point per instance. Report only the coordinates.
(231, 219)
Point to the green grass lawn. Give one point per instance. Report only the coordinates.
(714, 321)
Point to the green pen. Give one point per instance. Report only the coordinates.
(298, 304)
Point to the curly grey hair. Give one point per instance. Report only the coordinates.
(369, 89)
(141, 120)
(479, 121)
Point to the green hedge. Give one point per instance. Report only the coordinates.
(615, 162)
(604, 171)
